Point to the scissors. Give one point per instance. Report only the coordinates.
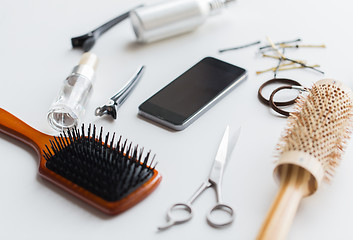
(214, 180)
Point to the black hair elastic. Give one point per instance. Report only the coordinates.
(274, 105)
(277, 80)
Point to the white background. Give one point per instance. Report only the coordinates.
(36, 56)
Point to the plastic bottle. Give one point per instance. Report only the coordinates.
(169, 18)
(69, 106)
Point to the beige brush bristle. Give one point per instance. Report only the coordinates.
(310, 150)
(321, 124)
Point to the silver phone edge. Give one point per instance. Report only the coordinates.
(200, 112)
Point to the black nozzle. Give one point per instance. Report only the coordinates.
(87, 41)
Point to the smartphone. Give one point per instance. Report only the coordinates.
(190, 95)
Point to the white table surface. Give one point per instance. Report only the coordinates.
(36, 56)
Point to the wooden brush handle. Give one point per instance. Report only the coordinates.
(16, 128)
(294, 186)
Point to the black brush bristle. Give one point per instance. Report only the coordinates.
(108, 171)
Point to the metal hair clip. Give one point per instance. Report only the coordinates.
(114, 103)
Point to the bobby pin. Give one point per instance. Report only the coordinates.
(239, 47)
(302, 46)
(291, 60)
(273, 46)
(280, 58)
(280, 62)
(283, 68)
(279, 43)
(274, 69)
(314, 67)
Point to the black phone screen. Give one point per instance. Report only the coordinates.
(191, 91)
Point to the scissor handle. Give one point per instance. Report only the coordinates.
(185, 214)
(223, 221)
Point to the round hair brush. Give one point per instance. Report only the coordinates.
(109, 176)
(309, 151)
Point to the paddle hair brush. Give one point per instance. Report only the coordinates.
(111, 177)
(309, 151)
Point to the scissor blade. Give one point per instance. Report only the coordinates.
(233, 141)
(220, 159)
(223, 147)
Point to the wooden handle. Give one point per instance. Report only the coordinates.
(294, 186)
(14, 127)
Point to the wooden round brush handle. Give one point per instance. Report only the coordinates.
(294, 185)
